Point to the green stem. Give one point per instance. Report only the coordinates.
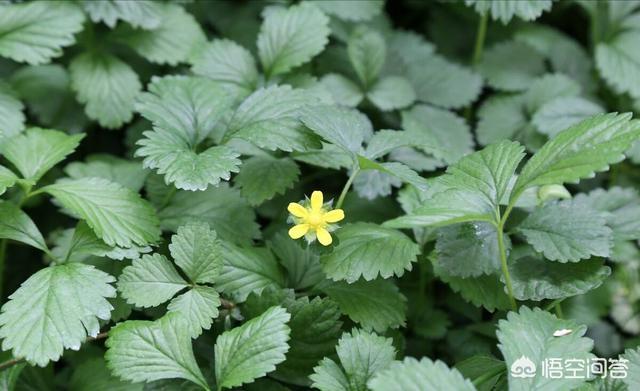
(480, 38)
(346, 188)
(505, 268)
(558, 308)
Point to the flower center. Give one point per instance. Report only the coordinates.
(315, 218)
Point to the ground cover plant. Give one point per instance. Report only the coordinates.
(337, 195)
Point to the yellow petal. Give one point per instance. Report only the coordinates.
(298, 231)
(333, 216)
(297, 210)
(316, 200)
(324, 237)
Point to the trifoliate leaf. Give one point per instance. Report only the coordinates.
(262, 177)
(368, 250)
(538, 279)
(17, 225)
(367, 52)
(247, 270)
(376, 305)
(550, 87)
(361, 354)
(468, 249)
(561, 113)
(528, 335)
(579, 152)
(222, 207)
(414, 375)
(301, 262)
(150, 281)
(140, 350)
(106, 86)
(618, 62)
(351, 10)
(11, 115)
(55, 309)
(199, 306)
(633, 378)
(129, 174)
(268, 118)
(505, 10)
(567, 232)
(7, 179)
(36, 151)
(36, 32)
(174, 39)
(227, 63)
(196, 250)
(621, 207)
(511, 66)
(116, 214)
(252, 350)
(290, 37)
(145, 14)
(501, 117)
(344, 91)
(184, 111)
(391, 93)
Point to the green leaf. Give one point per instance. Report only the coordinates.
(36, 151)
(351, 10)
(621, 207)
(391, 93)
(199, 306)
(184, 112)
(290, 37)
(633, 378)
(227, 63)
(106, 86)
(511, 66)
(549, 87)
(247, 270)
(468, 249)
(301, 262)
(529, 333)
(538, 279)
(367, 52)
(618, 62)
(116, 214)
(262, 177)
(268, 118)
(145, 14)
(196, 250)
(129, 174)
(17, 225)
(150, 281)
(479, 367)
(361, 354)
(567, 232)
(7, 179)
(505, 10)
(171, 42)
(55, 309)
(562, 113)
(376, 305)
(252, 350)
(11, 116)
(413, 375)
(579, 152)
(343, 127)
(393, 169)
(36, 32)
(368, 250)
(93, 374)
(501, 117)
(140, 350)
(344, 91)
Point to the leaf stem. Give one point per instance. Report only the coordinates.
(505, 267)
(558, 308)
(480, 38)
(346, 187)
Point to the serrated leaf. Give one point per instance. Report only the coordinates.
(171, 42)
(36, 32)
(529, 333)
(37, 150)
(199, 306)
(567, 232)
(263, 177)
(618, 62)
(538, 279)
(391, 93)
(633, 378)
(413, 375)
(150, 281)
(140, 350)
(252, 350)
(55, 309)
(501, 117)
(548, 88)
(361, 354)
(7, 179)
(184, 111)
(468, 249)
(197, 251)
(344, 91)
(144, 14)
(367, 52)
(343, 127)
(368, 250)
(621, 207)
(116, 214)
(228, 63)
(93, 375)
(579, 152)
(562, 113)
(11, 116)
(106, 86)
(129, 174)
(505, 10)
(351, 10)
(301, 262)
(511, 66)
(17, 225)
(290, 37)
(376, 305)
(393, 169)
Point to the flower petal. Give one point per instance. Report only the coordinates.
(324, 237)
(333, 216)
(297, 210)
(298, 231)
(316, 200)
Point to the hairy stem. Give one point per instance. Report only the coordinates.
(505, 268)
(480, 38)
(346, 188)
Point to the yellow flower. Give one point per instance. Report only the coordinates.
(314, 220)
